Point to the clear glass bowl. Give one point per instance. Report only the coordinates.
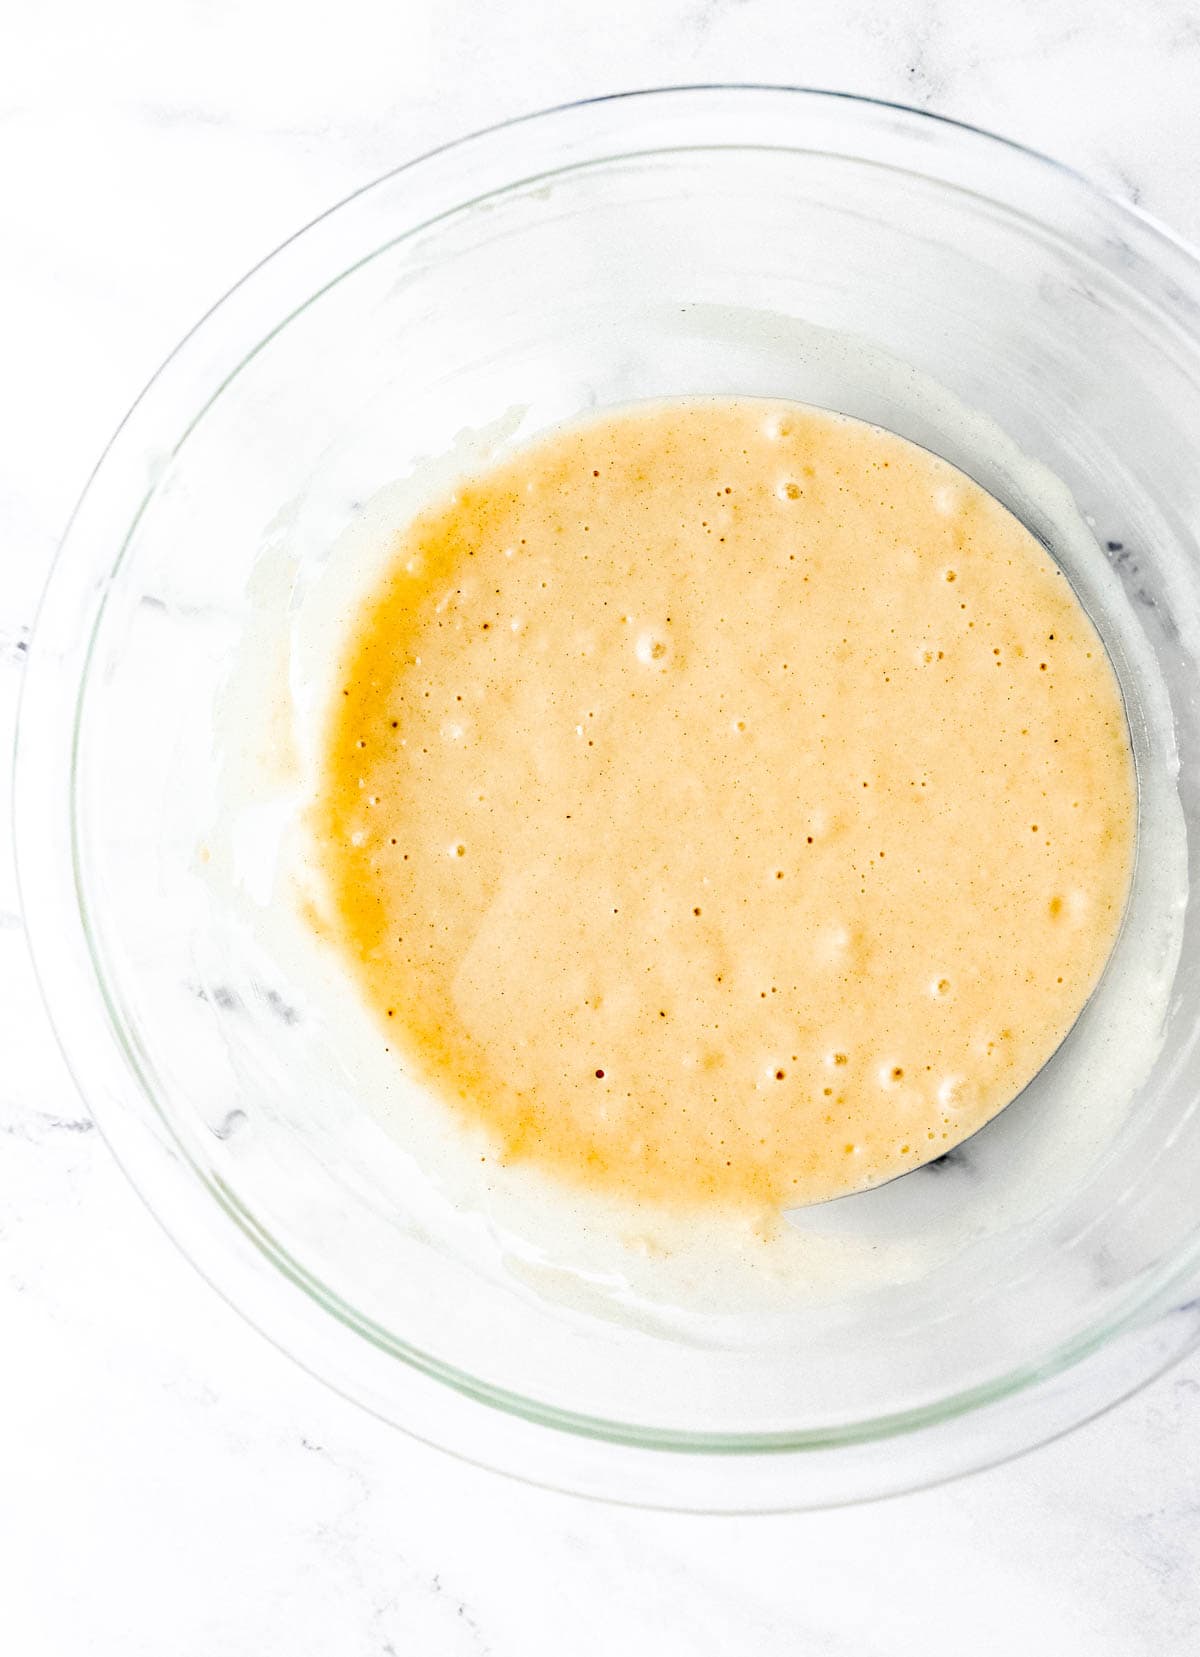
(670, 242)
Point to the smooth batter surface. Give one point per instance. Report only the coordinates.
(725, 801)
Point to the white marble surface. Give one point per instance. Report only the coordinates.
(168, 1482)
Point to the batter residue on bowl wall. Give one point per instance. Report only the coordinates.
(725, 802)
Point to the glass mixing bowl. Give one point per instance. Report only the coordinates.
(682, 241)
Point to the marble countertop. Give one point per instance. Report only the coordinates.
(172, 1484)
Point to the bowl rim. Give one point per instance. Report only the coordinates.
(39, 868)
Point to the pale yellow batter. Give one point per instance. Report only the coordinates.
(725, 801)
